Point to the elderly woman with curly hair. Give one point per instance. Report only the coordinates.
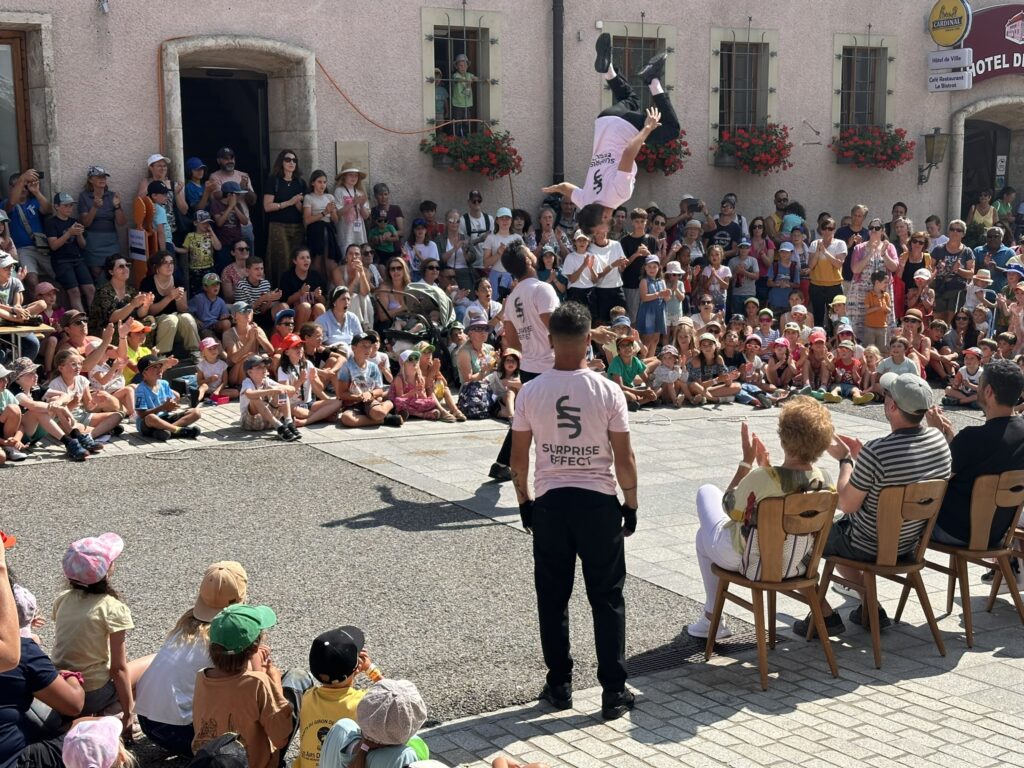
(728, 518)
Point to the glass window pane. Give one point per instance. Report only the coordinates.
(10, 160)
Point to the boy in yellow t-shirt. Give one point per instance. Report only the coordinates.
(335, 658)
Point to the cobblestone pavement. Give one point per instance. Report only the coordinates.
(918, 709)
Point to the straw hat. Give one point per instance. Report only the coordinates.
(352, 168)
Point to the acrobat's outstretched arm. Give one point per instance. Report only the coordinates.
(633, 147)
(565, 188)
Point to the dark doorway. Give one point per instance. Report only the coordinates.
(228, 107)
(983, 143)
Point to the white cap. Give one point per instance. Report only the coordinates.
(154, 158)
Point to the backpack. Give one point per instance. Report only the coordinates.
(475, 253)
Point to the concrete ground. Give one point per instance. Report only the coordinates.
(400, 531)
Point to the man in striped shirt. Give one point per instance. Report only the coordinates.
(911, 453)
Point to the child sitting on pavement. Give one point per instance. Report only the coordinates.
(435, 381)
(409, 391)
(386, 719)
(505, 384)
(897, 363)
(107, 382)
(630, 374)
(361, 389)
(156, 404)
(95, 742)
(849, 377)
(336, 658)
(964, 388)
(41, 418)
(670, 378)
(309, 404)
(265, 404)
(70, 388)
(212, 374)
(243, 690)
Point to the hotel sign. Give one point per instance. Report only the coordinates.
(997, 37)
(949, 22)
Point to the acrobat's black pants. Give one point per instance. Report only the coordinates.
(627, 106)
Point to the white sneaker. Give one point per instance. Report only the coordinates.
(1004, 588)
(702, 627)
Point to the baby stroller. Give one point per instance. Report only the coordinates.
(428, 317)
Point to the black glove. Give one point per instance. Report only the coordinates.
(628, 519)
(526, 515)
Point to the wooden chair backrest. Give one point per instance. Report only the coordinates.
(898, 504)
(989, 493)
(798, 514)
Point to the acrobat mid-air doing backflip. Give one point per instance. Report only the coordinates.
(619, 132)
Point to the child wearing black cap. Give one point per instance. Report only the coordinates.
(156, 404)
(336, 657)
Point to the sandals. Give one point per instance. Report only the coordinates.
(447, 418)
(459, 415)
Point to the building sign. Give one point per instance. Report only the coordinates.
(954, 58)
(997, 38)
(949, 81)
(949, 22)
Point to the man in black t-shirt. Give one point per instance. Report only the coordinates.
(725, 230)
(634, 270)
(994, 447)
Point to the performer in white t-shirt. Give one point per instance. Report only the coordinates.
(527, 312)
(578, 421)
(619, 132)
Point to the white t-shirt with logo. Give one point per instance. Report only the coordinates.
(603, 256)
(493, 243)
(528, 301)
(570, 414)
(605, 183)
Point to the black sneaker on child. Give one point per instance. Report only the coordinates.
(392, 420)
(89, 444)
(76, 452)
(558, 696)
(616, 705)
(117, 431)
(857, 618)
(285, 434)
(163, 435)
(293, 429)
(189, 433)
(834, 625)
(603, 62)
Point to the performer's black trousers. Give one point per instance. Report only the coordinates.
(505, 454)
(627, 106)
(571, 522)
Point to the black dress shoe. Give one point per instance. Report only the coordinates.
(833, 623)
(558, 696)
(615, 706)
(655, 69)
(500, 472)
(603, 62)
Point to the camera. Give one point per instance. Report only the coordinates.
(693, 206)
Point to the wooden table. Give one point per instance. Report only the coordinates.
(10, 336)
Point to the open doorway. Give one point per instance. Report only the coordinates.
(228, 107)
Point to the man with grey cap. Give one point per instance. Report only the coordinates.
(911, 453)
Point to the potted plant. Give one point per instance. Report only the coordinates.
(873, 146)
(759, 150)
(488, 153)
(667, 158)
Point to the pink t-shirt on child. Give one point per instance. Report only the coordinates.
(570, 414)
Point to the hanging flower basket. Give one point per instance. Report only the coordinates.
(667, 158)
(760, 150)
(872, 146)
(490, 154)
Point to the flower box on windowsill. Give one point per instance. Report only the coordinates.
(840, 160)
(724, 160)
(444, 162)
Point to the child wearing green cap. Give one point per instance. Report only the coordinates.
(243, 690)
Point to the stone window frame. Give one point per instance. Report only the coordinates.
(890, 45)
(662, 33)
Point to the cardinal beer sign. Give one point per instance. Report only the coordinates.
(949, 22)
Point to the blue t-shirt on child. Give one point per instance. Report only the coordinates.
(146, 398)
(361, 379)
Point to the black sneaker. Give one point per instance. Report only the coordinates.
(117, 431)
(558, 696)
(285, 434)
(89, 444)
(294, 430)
(615, 706)
(632, 405)
(883, 619)
(654, 70)
(500, 472)
(603, 46)
(162, 435)
(392, 420)
(189, 433)
(834, 625)
(76, 452)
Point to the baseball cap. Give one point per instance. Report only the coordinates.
(419, 223)
(284, 313)
(713, 322)
(503, 211)
(693, 223)
(751, 300)
(766, 313)
(781, 342)
(652, 259)
(844, 328)
(93, 743)
(744, 243)
(208, 343)
(63, 198)
(737, 318)
(815, 337)
(787, 247)
(45, 287)
(226, 751)
(708, 337)
(668, 349)
(792, 327)
(252, 361)
(70, 317)
(753, 337)
(909, 391)
(6, 260)
(88, 560)
(225, 152)
(138, 327)
(673, 268)
(146, 361)
(549, 248)
(224, 583)
(156, 188)
(367, 336)
(973, 351)
(239, 306)
(840, 299)
(846, 344)
(923, 274)
(238, 626)
(1016, 268)
(194, 163)
(424, 346)
(580, 234)
(409, 354)
(621, 320)
(334, 654)
(231, 188)
(291, 341)
(95, 170)
(157, 157)
(798, 309)
(211, 278)
(391, 712)
(203, 216)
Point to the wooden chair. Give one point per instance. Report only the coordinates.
(797, 514)
(989, 493)
(897, 504)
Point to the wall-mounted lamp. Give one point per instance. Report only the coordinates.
(935, 144)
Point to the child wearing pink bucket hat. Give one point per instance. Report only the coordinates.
(90, 625)
(95, 743)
